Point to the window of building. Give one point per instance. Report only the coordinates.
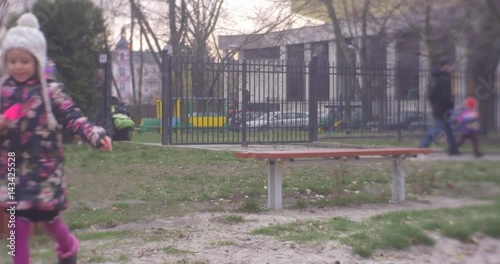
(263, 54)
(295, 73)
(320, 49)
(122, 72)
(346, 73)
(122, 56)
(138, 71)
(122, 86)
(407, 66)
(375, 68)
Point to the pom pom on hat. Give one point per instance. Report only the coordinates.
(26, 35)
(28, 20)
(470, 102)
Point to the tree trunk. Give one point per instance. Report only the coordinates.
(366, 89)
(482, 80)
(484, 56)
(132, 64)
(141, 76)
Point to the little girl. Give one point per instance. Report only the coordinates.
(468, 125)
(33, 109)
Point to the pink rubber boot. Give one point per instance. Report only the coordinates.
(66, 243)
(22, 250)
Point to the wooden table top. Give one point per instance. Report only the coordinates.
(321, 153)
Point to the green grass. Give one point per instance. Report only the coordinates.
(139, 182)
(223, 243)
(396, 230)
(251, 206)
(41, 249)
(147, 137)
(235, 218)
(370, 139)
(491, 144)
(172, 250)
(104, 235)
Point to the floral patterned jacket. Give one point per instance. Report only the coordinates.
(36, 153)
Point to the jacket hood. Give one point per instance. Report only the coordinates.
(436, 72)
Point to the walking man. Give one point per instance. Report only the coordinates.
(442, 105)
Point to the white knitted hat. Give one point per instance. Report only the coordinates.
(26, 35)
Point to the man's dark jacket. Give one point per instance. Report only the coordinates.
(440, 95)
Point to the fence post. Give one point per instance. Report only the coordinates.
(244, 105)
(165, 100)
(313, 99)
(398, 116)
(106, 115)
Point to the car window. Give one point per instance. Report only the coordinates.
(287, 116)
(277, 117)
(302, 115)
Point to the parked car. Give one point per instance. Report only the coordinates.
(329, 121)
(335, 119)
(392, 122)
(235, 120)
(299, 120)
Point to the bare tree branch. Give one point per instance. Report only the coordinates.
(140, 16)
(494, 8)
(339, 36)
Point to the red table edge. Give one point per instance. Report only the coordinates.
(292, 154)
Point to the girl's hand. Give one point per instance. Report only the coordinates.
(106, 144)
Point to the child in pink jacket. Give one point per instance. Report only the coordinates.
(468, 125)
(33, 110)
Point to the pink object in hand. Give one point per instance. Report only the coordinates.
(14, 112)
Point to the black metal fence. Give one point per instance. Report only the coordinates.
(274, 101)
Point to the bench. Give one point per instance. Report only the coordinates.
(150, 124)
(275, 159)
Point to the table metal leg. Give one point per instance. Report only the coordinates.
(398, 181)
(274, 188)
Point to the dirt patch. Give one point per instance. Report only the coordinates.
(205, 238)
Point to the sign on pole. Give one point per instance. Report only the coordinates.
(103, 58)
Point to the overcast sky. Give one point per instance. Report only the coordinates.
(239, 15)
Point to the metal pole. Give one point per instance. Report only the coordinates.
(313, 99)
(244, 106)
(106, 122)
(165, 103)
(398, 121)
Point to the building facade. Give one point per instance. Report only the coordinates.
(122, 73)
(398, 56)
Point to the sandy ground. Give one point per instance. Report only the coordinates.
(207, 238)
(203, 234)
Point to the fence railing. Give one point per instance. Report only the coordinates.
(279, 101)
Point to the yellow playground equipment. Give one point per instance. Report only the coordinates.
(202, 119)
